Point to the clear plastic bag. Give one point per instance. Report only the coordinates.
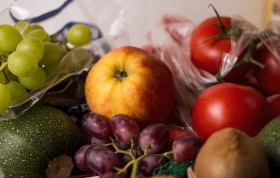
(270, 37)
(56, 16)
(169, 39)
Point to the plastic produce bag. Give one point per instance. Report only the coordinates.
(169, 39)
(270, 37)
(268, 53)
(56, 16)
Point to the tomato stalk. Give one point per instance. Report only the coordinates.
(248, 56)
(245, 60)
(219, 78)
(225, 32)
(230, 33)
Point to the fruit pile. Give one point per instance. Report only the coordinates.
(29, 56)
(135, 127)
(226, 115)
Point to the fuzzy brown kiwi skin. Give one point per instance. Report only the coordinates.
(231, 153)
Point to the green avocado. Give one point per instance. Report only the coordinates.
(30, 142)
(269, 139)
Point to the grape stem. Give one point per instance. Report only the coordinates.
(135, 160)
(2, 68)
(62, 42)
(3, 65)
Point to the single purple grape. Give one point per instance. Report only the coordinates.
(100, 159)
(149, 163)
(124, 128)
(186, 148)
(156, 136)
(98, 141)
(79, 158)
(122, 146)
(96, 125)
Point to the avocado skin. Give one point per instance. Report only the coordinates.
(269, 139)
(30, 142)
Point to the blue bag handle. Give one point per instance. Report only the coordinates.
(61, 33)
(45, 15)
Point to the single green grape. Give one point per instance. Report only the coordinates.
(63, 50)
(23, 27)
(39, 33)
(5, 98)
(34, 80)
(79, 35)
(3, 52)
(33, 45)
(37, 26)
(17, 91)
(52, 55)
(22, 63)
(9, 38)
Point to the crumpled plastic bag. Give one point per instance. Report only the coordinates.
(270, 37)
(56, 16)
(169, 40)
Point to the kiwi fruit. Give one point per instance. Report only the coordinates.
(231, 153)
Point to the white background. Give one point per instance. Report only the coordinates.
(144, 13)
(141, 15)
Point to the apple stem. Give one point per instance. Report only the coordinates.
(121, 74)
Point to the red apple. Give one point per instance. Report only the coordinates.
(131, 81)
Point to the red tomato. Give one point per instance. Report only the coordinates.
(207, 49)
(176, 132)
(229, 105)
(274, 106)
(268, 77)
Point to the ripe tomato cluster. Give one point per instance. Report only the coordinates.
(247, 97)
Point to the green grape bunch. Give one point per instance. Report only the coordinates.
(29, 55)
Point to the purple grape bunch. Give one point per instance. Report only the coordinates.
(118, 144)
